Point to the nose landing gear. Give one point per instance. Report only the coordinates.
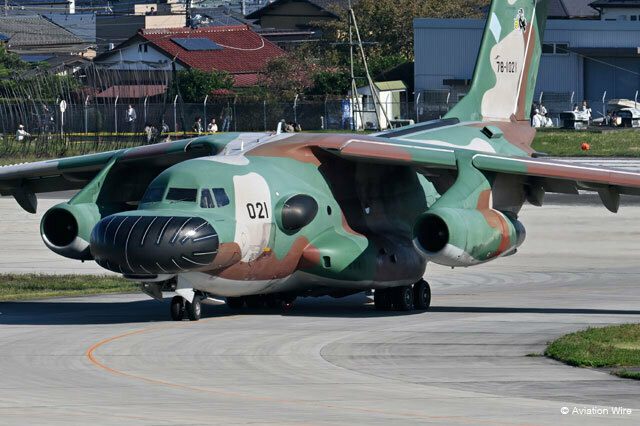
(179, 306)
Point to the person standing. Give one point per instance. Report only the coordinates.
(197, 126)
(212, 127)
(131, 117)
(21, 133)
(585, 108)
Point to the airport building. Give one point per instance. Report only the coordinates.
(581, 59)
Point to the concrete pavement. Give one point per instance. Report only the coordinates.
(114, 359)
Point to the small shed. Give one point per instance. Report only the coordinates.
(393, 104)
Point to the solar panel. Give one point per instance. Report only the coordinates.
(196, 44)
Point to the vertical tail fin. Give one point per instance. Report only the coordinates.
(507, 67)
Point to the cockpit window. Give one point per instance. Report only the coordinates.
(221, 196)
(206, 200)
(182, 194)
(153, 195)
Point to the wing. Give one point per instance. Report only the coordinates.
(23, 181)
(555, 176)
(537, 175)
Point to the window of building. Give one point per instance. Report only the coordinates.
(555, 48)
(143, 47)
(221, 196)
(634, 17)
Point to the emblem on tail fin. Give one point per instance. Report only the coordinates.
(520, 23)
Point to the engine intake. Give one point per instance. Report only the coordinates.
(66, 229)
(465, 237)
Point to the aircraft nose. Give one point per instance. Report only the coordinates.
(141, 245)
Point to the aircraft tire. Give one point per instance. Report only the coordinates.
(254, 302)
(421, 295)
(382, 299)
(235, 302)
(194, 309)
(402, 298)
(177, 308)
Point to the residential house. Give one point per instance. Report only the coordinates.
(297, 14)
(33, 34)
(235, 49)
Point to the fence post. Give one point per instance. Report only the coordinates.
(264, 113)
(295, 104)
(115, 114)
(175, 117)
(145, 110)
(204, 112)
(540, 98)
(235, 115)
(635, 101)
(325, 122)
(417, 103)
(571, 102)
(86, 115)
(604, 105)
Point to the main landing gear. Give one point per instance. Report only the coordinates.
(179, 307)
(403, 298)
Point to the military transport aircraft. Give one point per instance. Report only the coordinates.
(262, 219)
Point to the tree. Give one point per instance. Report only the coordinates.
(286, 76)
(389, 23)
(195, 84)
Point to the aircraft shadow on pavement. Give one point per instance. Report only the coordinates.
(59, 312)
(528, 310)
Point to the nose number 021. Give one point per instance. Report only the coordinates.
(258, 210)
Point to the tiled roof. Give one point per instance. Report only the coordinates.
(322, 4)
(133, 91)
(83, 25)
(34, 31)
(246, 80)
(243, 51)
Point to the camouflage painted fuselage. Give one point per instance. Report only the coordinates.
(362, 235)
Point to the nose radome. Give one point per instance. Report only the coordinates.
(153, 244)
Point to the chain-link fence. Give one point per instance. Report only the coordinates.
(30, 129)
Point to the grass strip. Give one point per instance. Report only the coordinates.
(625, 374)
(28, 286)
(615, 346)
(568, 143)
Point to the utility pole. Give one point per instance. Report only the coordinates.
(353, 25)
(189, 23)
(372, 86)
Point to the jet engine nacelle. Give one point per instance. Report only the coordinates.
(66, 229)
(465, 237)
